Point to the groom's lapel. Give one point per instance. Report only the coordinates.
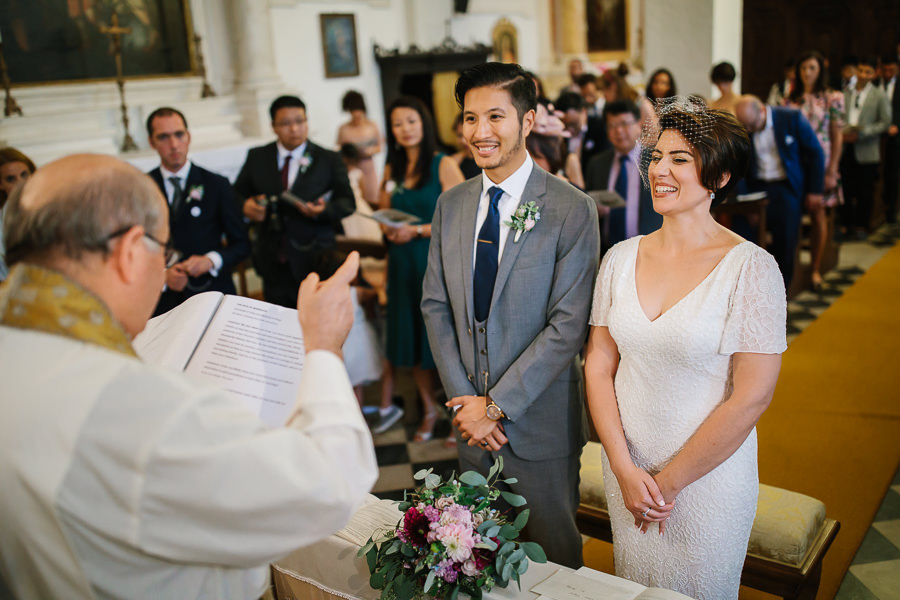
(534, 191)
(466, 225)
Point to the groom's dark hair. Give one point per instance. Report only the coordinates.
(510, 77)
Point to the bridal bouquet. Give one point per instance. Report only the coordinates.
(451, 540)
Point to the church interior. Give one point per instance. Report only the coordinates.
(84, 75)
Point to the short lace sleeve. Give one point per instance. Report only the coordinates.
(603, 288)
(757, 316)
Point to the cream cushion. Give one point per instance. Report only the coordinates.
(786, 524)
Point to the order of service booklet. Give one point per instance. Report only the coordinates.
(251, 349)
(588, 584)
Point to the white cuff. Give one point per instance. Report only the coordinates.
(216, 259)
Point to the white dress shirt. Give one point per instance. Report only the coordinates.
(768, 161)
(633, 201)
(857, 101)
(295, 155)
(513, 187)
(124, 480)
(182, 176)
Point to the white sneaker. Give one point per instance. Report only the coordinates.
(387, 420)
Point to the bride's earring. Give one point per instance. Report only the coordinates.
(712, 196)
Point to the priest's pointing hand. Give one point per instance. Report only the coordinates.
(325, 309)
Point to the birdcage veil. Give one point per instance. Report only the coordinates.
(688, 114)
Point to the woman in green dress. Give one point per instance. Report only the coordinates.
(414, 177)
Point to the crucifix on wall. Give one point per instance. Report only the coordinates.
(115, 32)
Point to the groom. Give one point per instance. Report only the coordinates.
(506, 307)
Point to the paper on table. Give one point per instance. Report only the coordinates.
(169, 340)
(583, 585)
(375, 517)
(254, 351)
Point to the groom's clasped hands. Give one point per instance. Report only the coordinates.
(474, 425)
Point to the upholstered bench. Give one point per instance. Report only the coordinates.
(790, 535)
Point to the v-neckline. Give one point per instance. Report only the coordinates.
(637, 296)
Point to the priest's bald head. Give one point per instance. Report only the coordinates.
(99, 221)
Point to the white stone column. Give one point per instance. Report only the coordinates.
(256, 79)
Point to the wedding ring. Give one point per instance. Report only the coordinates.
(485, 444)
(644, 514)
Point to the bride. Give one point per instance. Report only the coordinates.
(688, 327)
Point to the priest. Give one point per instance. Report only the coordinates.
(121, 479)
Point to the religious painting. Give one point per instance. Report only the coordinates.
(607, 26)
(505, 42)
(339, 45)
(55, 40)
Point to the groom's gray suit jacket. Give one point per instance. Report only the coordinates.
(538, 318)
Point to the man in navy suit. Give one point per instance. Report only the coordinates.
(202, 212)
(289, 236)
(618, 170)
(788, 164)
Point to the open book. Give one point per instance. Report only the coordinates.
(393, 217)
(251, 349)
(588, 584)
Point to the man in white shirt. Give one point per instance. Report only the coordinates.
(202, 213)
(125, 480)
(506, 300)
(868, 118)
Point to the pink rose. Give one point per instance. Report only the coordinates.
(469, 568)
(529, 224)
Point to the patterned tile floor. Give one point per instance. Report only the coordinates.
(875, 572)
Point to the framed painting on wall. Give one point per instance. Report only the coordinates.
(64, 41)
(339, 45)
(505, 42)
(608, 29)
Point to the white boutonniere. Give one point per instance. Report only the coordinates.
(304, 162)
(788, 139)
(524, 219)
(195, 194)
(390, 186)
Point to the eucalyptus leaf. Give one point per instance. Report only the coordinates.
(407, 551)
(429, 581)
(495, 468)
(509, 532)
(507, 571)
(518, 581)
(432, 481)
(371, 558)
(507, 549)
(485, 526)
(454, 593)
(514, 500)
(493, 531)
(377, 580)
(522, 519)
(534, 552)
(365, 549)
(392, 549)
(423, 473)
(473, 478)
(523, 566)
(511, 480)
(487, 544)
(516, 556)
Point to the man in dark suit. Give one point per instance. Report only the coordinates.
(288, 236)
(787, 163)
(588, 134)
(889, 72)
(202, 213)
(618, 170)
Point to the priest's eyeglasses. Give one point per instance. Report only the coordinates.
(171, 255)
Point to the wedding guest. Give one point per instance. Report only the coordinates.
(723, 76)
(463, 156)
(890, 65)
(363, 133)
(780, 91)
(661, 84)
(204, 219)
(587, 135)
(868, 117)
(824, 109)
(15, 168)
(688, 327)
(414, 176)
(547, 145)
(127, 480)
(616, 88)
(576, 70)
(787, 162)
(358, 225)
(538, 84)
(848, 71)
(589, 88)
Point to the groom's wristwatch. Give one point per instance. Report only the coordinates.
(492, 411)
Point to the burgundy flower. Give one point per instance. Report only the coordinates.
(483, 557)
(415, 527)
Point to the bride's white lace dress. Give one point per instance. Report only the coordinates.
(672, 373)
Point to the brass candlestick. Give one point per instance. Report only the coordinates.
(11, 107)
(115, 32)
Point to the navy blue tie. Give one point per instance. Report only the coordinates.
(621, 187)
(486, 257)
